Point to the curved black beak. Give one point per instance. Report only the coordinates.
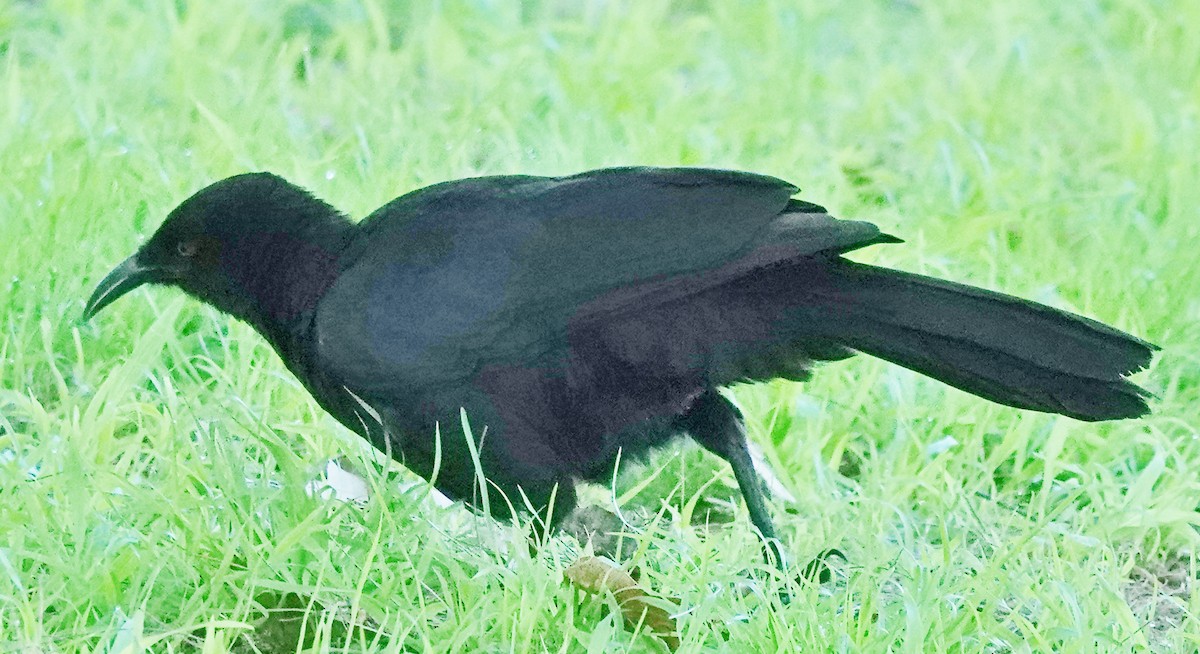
(124, 278)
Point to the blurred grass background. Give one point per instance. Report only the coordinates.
(153, 463)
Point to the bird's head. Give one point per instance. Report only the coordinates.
(250, 245)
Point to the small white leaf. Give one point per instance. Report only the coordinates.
(346, 486)
(940, 446)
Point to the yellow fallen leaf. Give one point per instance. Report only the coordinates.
(598, 575)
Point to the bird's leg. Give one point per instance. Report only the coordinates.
(552, 503)
(716, 424)
(754, 492)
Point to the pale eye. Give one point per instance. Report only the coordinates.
(186, 248)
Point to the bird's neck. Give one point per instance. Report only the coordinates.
(277, 279)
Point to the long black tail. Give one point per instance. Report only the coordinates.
(996, 346)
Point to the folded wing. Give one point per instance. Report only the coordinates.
(490, 271)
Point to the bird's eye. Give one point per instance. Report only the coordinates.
(186, 248)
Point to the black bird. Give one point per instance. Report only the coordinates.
(577, 317)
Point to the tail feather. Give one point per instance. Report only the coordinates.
(996, 346)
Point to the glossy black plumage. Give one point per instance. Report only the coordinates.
(580, 316)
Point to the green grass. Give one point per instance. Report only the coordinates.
(153, 462)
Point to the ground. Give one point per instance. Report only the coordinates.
(154, 463)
